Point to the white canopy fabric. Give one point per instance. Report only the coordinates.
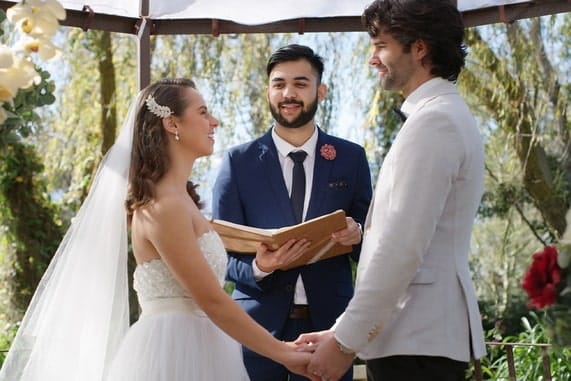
(248, 12)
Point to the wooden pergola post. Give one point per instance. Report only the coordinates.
(144, 46)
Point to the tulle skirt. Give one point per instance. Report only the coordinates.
(177, 346)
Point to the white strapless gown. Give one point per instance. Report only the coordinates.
(174, 340)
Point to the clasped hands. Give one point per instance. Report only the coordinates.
(326, 362)
(269, 261)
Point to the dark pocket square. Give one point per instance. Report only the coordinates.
(338, 184)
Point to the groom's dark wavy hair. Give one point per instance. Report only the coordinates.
(149, 156)
(437, 22)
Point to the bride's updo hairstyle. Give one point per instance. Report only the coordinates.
(149, 157)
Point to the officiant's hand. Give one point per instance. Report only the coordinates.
(269, 261)
(327, 361)
(351, 235)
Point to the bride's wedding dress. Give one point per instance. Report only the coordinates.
(174, 340)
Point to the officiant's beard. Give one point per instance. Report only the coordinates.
(302, 119)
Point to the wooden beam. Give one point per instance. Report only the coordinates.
(491, 15)
(515, 12)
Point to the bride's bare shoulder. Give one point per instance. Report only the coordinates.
(169, 207)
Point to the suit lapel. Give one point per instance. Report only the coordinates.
(321, 171)
(268, 157)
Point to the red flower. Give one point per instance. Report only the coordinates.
(328, 152)
(541, 280)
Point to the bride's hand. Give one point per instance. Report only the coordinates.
(296, 361)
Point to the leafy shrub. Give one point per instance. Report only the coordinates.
(528, 359)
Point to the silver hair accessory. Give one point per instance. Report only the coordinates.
(157, 109)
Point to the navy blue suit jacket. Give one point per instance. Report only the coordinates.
(250, 190)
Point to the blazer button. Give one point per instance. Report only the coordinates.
(289, 288)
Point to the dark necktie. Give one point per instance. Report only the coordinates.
(298, 184)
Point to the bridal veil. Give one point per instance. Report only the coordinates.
(79, 312)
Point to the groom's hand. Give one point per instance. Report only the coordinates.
(327, 362)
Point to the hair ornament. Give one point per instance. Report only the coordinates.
(157, 109)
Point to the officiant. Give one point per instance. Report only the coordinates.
(294, 172)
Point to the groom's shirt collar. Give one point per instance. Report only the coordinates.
(429, 89)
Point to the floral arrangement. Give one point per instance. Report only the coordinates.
(328, 152)
(36, 22)
(548, 285)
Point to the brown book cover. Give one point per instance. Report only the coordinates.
(245, 239)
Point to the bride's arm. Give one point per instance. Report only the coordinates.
(169, 227)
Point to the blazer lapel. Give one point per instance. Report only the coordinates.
(321, 171)
(268, 157)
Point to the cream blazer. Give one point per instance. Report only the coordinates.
(414, 293)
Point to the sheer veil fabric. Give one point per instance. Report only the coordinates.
(79, 312)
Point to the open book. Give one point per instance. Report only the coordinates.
(245, 239)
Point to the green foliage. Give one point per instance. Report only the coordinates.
(527, 359)
(30, 235)
(501, 250)
(557, 320)
(2, 18)
(7, 334)
(22, 116)
(505, 320)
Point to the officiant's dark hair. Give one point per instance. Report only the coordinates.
(149, 156)
(437, 22)
(295, 52)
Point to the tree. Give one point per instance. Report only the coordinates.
(526, 101)
(517, 83)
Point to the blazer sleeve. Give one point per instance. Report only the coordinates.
(226, 205)
(413, 193)
(362, 198)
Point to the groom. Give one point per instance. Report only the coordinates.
(254, 187)
(414, 315)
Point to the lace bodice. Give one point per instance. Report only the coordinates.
(152, 280)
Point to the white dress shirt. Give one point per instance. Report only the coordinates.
(286, 163)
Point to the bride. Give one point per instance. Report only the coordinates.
(189, 329)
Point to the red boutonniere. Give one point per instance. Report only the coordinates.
(328, 152)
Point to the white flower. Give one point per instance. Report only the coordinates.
(6, 57)
(45, 49)
(37, 18)
(21, 75)
(53, 6)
